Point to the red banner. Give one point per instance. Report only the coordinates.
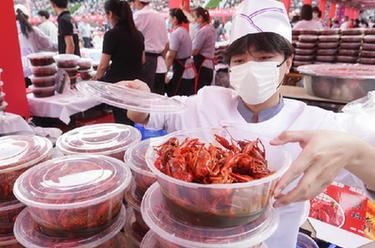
(10, 61)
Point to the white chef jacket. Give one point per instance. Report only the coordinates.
(152, 25)
(214, 106)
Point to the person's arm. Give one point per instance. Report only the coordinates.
(69, 42)
(198, 42)
(171, 55)
(103, 65)
(324, 154)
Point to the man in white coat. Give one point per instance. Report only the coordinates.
(259, 55)
(152, 25)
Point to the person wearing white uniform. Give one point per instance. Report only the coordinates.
(203, 48)
(48, 27)
(259, 55)
(307, 21)
(152, 25)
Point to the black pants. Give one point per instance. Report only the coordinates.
(86, 42)
(206, 75)
(149, 71)
(178, 85)
(159, 86)
(121, 116)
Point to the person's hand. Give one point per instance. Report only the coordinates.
(324, 154)
(135, 84)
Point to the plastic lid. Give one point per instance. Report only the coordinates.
(158, 218)
(72, 182)
(10, 205)
(28, 233)
(70, 69)
(98, 139)
(135, 157)
(51, 66)
(353, 71)
(132, 199)
(127, 98)
(66, 57)
(22, 151)
(41, 55)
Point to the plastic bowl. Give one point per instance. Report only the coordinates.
(133, 231)
(17, 154)
(135, 159)
(85, 74)
(72, 72)
(42, 71)
(135, 205)
(103, 139)
(41, 59)
(9, 241)
(41, 92)
(219, 205)
(158, 217)
(66, 60)
(74, 194)
(85, 63)
(304, 241)
(8, 213)
(28, 234)
(43, 81)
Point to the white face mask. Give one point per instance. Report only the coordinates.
(255, 82)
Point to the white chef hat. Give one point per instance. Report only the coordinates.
(258, 16)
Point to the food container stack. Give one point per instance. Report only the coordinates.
(3, 103)
(327, 47)
(143, 178)
(73, 201)
(350, 46)
(195, 207)
(85, 65)
(17, 154)
(367, 55)
(44, 71)
(305, 48)
(68, 63)
(101, 139)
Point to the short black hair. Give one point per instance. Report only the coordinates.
(201, 12)
(61, 3)
(306, 12)
(317, 10)
(43, 13)
(179, 14)
(264, 42)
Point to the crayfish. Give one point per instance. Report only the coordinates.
(193, 161)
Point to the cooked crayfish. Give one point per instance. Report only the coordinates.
(193, 161)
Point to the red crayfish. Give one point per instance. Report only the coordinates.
(193, 161)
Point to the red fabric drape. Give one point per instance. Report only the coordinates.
(10, 61)
(322, 6)
(307, 1)
(287, 5)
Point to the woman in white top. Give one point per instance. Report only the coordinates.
(307, 21)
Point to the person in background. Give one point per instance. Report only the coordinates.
(152, 26)
(317, 15)
(31, 38)
(219, 29)
(68, 41)
(180, 50)
(347, 23)
(123, 45)
(85, 29)
(203, 48)
(356, 23)
(228, 27)
(47, 27)
(306, 21)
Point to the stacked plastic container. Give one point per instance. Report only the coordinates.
(3, 103)
(328, 45)
(17, 154)
(101, 139)
(85, 68)
(44, 71)
(350, 46)
(305, 47)
(368, 48)
(73, 201)
(192, 215)
(68, 63)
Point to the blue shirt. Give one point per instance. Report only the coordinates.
(263, 115)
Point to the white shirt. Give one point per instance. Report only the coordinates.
(345, 25)
(50, 30)
(214, 106)
(84, 29)
(312, 25)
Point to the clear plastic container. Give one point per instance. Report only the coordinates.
(133, 231)
(28, 234)
(328, 45)
(327, 51)
(368, 54)
(220, 205)
(41, 92)
(41, 59)
(85, 74)
(369, 38)
(135, 204)
(351, 38)
(135, 159)
(72, 72)
(9, 210)
(85, 63)
(304, 57)
(74, 194)
(172, 232)
(353, 31)
(305, 45)
(66, 60)
(304, 241)
(329, 38)
(368, 47)
(350, 45)
(309, 32)
(42, 71)
(42, 82)
(308, 38)
(9, 241)
(17, 154)
(105, 139)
